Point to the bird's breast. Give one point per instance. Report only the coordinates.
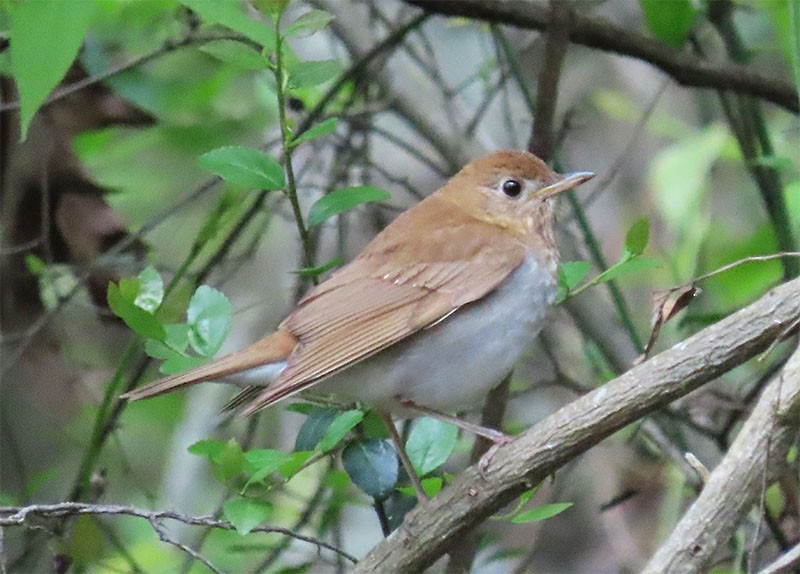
(458, 360)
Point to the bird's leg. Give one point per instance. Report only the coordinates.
(497, 437)
(401, 452)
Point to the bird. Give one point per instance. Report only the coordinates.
(430, 316)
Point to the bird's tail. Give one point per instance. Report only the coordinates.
(271, 349)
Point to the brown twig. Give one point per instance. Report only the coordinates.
(684, 68)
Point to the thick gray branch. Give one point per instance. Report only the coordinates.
(685, 68)
(753, 460)
(546, 447)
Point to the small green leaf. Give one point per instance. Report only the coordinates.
(323, 128)
(46, 36)
(342, 200)
(628, 266)
(541, 512)
(637, 237)
(208, 447)
(524, 498)
(226, 458)
(430, 444)
(174, 361)
(431, 485)
(230, 461)
(151, 290)
(309, 23)
(372, 466)
(294, 463)
(229, 13)
(209, 318)
(670, 21)
(314, 428)
(236, 53)
(244, 166)
(143, 323)
(35, 264)
(337, 430)
(177, 336)
(245, 513)
(570, 273)
(319, 269)
(263, 462)
(305, 74)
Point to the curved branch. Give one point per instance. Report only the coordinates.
(685, 68)
(431, 528)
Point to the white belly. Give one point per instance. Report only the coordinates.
(455, 363)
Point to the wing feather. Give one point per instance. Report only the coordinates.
(392, 290)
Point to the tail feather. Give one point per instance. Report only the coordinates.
(271, 349)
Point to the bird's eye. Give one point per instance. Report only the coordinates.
(512, 187)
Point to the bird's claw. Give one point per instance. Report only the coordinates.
(497, 442)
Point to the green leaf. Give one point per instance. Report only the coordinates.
(430, 444)
(337, 430)
(45, 38)
(319, 269)
(541, 512)
(209, 318)
(570, 273)
(229, 13)
(244, 166)
(637, 237)
(229, 462)
(143, 323)
(342, 200)
(236, 53)
(309, 73)
(263, 462)
(174, 361)
(35, 264)
(670, 21)
(372, 466)
(314, 428)
(151, 290)
(431, 485)
(628, 266)
(245, 513)
(294, 463)
(309, 23)
(323, 128)
(208, 447)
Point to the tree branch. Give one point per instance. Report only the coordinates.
(737, 482)
(543, 449)
(683, 67)
(17, 516)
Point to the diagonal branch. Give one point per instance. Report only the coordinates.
(683, 67)
(543, 449)
(737, 482)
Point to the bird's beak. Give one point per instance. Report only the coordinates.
(568, 181)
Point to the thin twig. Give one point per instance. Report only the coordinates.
(17, 516)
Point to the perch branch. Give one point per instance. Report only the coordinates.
(430, 529)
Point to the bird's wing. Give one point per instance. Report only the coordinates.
(399, 285)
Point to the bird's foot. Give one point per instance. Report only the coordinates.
(499, 439)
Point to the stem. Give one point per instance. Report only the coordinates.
(286, 137)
